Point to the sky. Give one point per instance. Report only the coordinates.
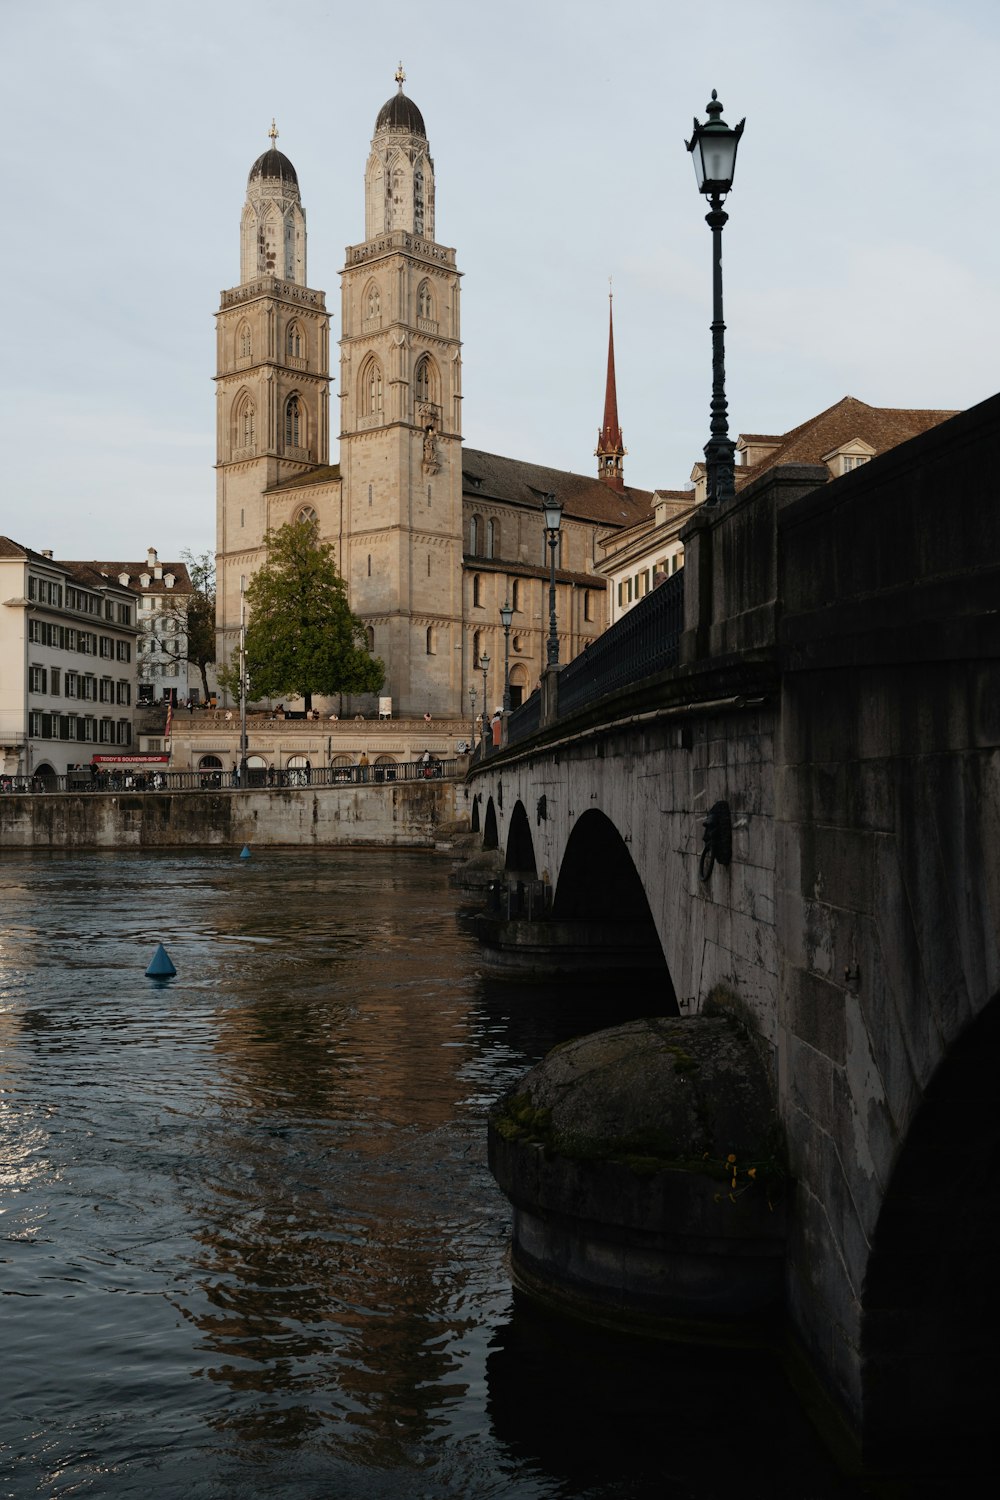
(859, 258)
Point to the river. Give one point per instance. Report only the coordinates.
(249, 1244)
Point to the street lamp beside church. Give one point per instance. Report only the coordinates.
(506, 615)
(484, 663)
(713, 150)
(552, 511)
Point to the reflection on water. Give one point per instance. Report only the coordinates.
(248, 1241)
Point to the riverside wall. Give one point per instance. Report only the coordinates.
(408, 815)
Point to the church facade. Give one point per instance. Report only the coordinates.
(431, 537)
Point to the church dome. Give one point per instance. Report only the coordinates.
(400, 113)
(275, 165)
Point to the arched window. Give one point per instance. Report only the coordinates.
(425, 301)
(370, 634)
(474, 529)
(422, 380)
(515, 594)
(245, 435)
(371, 387)
(477, 591)
(372, 301)
(492, 538)
(431, 640)
(292, 422)
(476, 645)
(308, 515)
(294, 342)
(244, 342)
(369, 565)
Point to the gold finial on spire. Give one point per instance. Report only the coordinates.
(400, 77)
(273, 133)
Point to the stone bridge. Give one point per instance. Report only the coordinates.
(836, 686)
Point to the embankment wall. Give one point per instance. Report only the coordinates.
(406, 814)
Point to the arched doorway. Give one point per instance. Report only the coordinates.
(210, 771)
(44, 778)
(518, 684)
(298, 770)
(930, 1313)
(258, 771)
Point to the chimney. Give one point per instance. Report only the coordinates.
(46, 551)
(151, 557)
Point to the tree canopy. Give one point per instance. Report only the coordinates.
(301, 637)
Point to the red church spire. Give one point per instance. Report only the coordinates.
(611, 448)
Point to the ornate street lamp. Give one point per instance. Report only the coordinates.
(506, 615)
(713, 151)
(243, 682)
(484, 662)
(472, 710)
(552, 511)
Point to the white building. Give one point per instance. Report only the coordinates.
(164, 591)
(67, 664)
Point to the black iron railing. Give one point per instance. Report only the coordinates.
(524, 721)
(258, 778)
(644, 641)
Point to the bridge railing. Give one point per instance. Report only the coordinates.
(271, 778)
(644, 641)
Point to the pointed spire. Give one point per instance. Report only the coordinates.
(611, 448)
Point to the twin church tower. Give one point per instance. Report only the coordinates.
(393, 506)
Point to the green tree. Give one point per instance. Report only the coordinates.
(301, 637)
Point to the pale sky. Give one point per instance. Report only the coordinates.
(860, 257)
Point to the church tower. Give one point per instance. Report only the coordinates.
(401, 428)
(611, 448)
(272, 381)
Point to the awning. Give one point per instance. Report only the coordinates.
(130, 760)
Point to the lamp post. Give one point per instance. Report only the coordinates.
(713, 150)
(506, 615)
(552, 511)
(484, 662)
(472, 709)
(243, 681)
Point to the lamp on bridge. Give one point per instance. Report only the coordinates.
(552, 511)
(472, 707)
(484, 663)
(506, 615)
(713, 151)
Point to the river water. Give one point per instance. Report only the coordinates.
(249, 1244)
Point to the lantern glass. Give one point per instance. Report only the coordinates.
(506, 614)
(552, 510)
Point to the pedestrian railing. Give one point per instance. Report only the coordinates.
(645, 641)
(258, 778)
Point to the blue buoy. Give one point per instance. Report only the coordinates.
(245, 852)
(160, 966)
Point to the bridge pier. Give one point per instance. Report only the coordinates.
(646, 1173)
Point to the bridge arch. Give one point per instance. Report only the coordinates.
(599, 883)
(520, 855)
(930, 1314)
(475, 813)
(491, 837)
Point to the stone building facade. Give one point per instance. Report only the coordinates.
(430, 536)
(67, 649)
